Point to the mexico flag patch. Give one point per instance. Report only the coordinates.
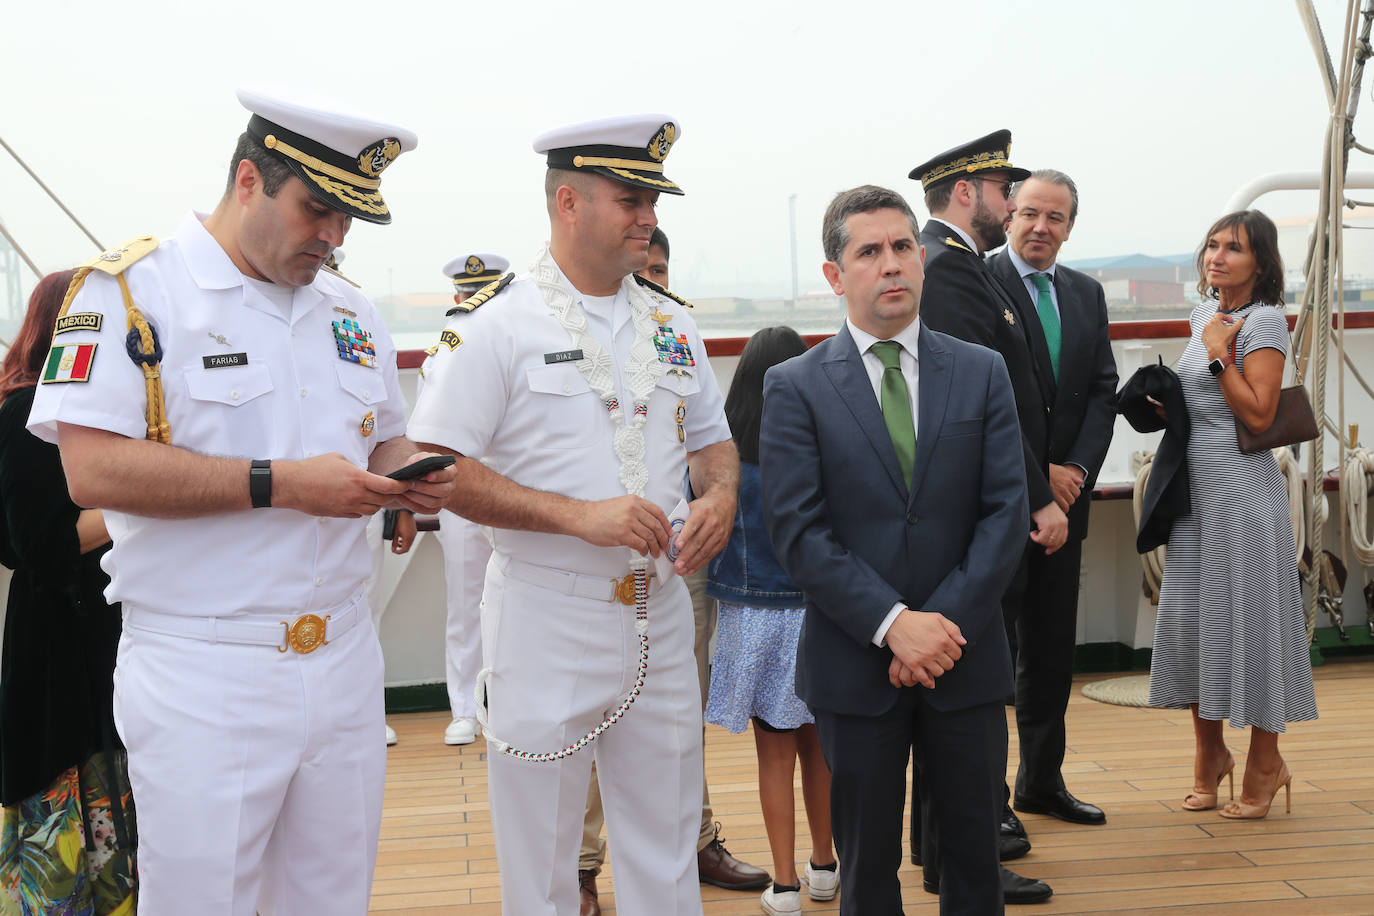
(69, 363)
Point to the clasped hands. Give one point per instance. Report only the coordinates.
(924, 644)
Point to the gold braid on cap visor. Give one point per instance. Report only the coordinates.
(346, 193)
(584, 161)
(967, 164)
(319, 165)
(463, 282)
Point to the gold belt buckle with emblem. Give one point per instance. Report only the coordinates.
(305, 635)
(623, 590)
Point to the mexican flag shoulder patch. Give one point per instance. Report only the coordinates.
(69, 363)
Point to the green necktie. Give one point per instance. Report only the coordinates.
(896, 399)
(1049, 318)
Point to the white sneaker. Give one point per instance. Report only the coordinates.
(390, 736)
(822, 884)
(780, 903)
(462, 730)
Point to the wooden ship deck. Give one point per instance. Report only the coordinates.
(437, 857)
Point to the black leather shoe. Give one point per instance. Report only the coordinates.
(1011, 847)
(1063, 806)
(1011, 824)
(1015, 889)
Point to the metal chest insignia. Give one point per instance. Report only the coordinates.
(673, 349)
(369, 424)
(355, 344)
(1011, 319)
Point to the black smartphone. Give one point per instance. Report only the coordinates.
(422, 467)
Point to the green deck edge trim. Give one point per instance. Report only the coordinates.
(1327, 643)
(417, 698)
(1097, 657)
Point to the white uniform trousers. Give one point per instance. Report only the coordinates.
(466, 551)
(560, 663)
(258, 773)
(378, 547)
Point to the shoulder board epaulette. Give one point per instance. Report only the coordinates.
(430, 351)
(650, 284)
(952, 242)
(489, 291)
(336, 273)
(117, 260)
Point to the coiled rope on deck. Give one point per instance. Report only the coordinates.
(1356, 479)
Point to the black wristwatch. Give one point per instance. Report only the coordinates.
(260, 483)
(1217, 367)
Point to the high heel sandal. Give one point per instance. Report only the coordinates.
(1206, 801)
(1242, 811)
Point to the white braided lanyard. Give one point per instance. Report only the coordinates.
(642, 371)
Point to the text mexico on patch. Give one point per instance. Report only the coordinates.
(69, 363)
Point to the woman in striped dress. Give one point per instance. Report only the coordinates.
(1231, 637)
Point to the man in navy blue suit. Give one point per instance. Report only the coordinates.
(894, 490)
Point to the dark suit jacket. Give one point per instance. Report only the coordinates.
(1081, 412)
(961, 298)
(857, 540)
(1168, 494)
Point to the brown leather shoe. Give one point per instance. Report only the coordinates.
(716, 866)
(586, 889)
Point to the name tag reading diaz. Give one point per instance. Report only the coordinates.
(224, 360)
(562, 356)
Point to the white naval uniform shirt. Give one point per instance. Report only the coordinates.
(294, 398)
(493, 396)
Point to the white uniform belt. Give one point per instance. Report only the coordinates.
(599, 588)
(304, 634)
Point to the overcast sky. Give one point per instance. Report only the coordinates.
(1159, 110)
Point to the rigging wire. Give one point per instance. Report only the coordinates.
(21, 252)
(57, 200)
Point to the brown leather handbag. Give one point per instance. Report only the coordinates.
(1294, 421)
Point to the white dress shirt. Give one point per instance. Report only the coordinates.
(1026, 271)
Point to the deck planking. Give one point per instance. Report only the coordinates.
(436, 854)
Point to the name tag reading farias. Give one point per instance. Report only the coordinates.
(224, 360)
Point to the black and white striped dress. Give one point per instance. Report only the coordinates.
(1230, 634)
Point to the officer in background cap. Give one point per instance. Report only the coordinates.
(583, 391)
(249, 683)
(968, 193)
(466, 545)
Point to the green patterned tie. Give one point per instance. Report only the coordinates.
(1049, 318)
(896, 401)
